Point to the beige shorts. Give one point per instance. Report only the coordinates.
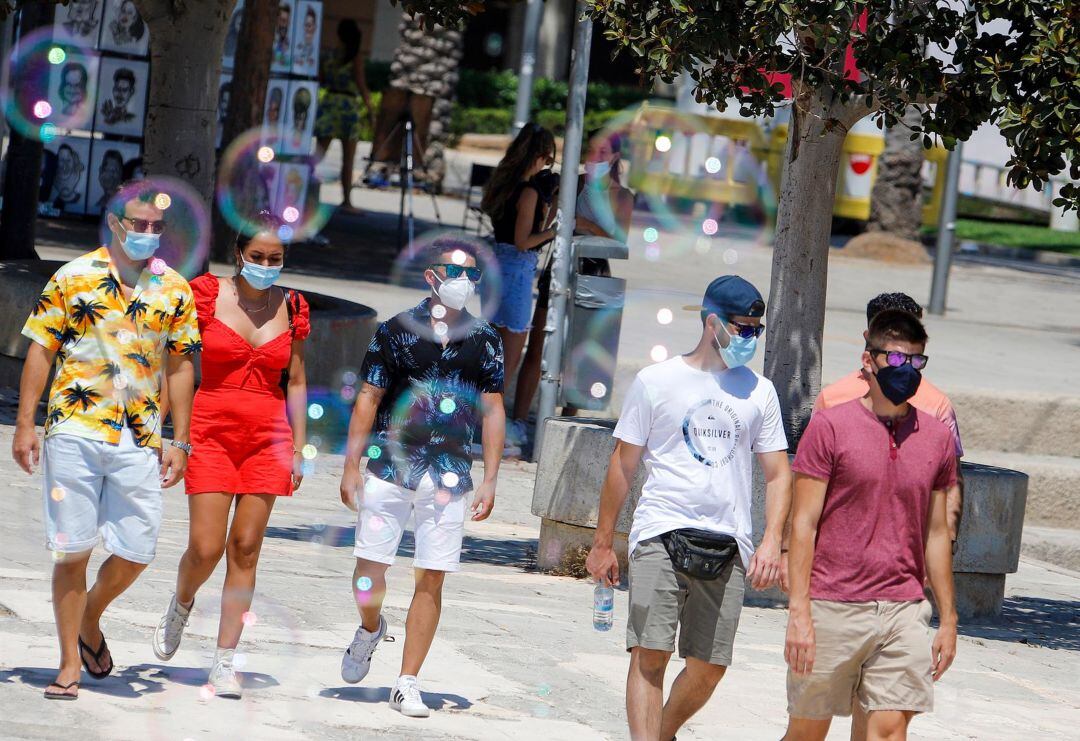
(877, 653)
(706, 613)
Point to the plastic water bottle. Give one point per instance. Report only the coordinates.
(603, 610)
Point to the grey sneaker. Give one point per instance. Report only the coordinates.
(223, 677)
(405, 698)
(356, 662)
(171, 629)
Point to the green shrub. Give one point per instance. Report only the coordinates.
(478, 121)
(477, 89)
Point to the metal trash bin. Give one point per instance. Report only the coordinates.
(594, 319)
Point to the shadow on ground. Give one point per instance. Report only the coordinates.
(516, 553)
(434, 700)
(1034, 621)
(133, 681)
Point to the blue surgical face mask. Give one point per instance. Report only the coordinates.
(140, 246)
(597, 170)
(739, 350)
(259, 276)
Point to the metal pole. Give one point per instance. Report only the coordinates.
(555, 328)
(534, 13)
(946, 235)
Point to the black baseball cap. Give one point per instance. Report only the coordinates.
(732, 295)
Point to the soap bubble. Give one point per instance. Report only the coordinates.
(450, 479)
(598, 390)
(663, 143)
(253, 178)
(185, 243)
(310, 452)
(456, 246)
(53, 83)
(658, 353)
(363, 584)
(315, 411)
(249, 618)
(664, 316)
(447, 405)
(58, 493)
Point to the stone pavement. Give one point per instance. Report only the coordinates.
(516, 656)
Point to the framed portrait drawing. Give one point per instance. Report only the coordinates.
(294, 179)
(121, 103)
(72, 87)
(223, 97)
(123, 30)
(281, 58)
(232, 36)
(306, 35)
(109, 160)
(78, 23)
(277, 97)
(65, 172)
(299, 117)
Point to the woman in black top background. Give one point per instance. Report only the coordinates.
(519, 207)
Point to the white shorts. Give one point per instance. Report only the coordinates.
(440, 523)
(94, 488)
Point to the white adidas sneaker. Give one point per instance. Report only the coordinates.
(405, 698)
(356, 662)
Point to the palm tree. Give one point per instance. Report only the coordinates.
(110, 370)
(55, 414)
(43, 303)
(139, 358)
(192, 347)
(111, 423)
(150, 407)
(136, 309)
(170, 346)
(77, 395)
(181, 305)
(87, 312)
(110, 285)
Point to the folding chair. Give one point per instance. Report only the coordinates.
(478, 178)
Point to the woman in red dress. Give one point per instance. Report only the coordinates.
(244, 447)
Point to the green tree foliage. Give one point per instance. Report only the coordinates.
(1015, 62)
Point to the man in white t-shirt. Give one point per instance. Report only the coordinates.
(694, 420)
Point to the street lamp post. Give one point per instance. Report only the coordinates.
(534, 13)
(555, 328)
(946, 235)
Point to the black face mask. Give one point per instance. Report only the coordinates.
(898, 384)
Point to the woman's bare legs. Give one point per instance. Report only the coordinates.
(242, 556)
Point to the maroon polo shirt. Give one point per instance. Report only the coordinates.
(871, 538)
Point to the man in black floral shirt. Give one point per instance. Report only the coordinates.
(429, 375)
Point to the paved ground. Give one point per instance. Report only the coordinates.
(516, 656)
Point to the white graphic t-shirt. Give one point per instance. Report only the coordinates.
(699, 430)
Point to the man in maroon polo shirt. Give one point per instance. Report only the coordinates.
(868, 526)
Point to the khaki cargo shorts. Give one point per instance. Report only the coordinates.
(706, 613)
(879, 653)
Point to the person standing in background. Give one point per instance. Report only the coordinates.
(341, 115)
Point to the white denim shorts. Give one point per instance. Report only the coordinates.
(440, 523)
(94, 488)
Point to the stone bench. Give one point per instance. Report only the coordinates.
(340, 329)
(574, 460)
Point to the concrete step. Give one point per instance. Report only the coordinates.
(1053, 488)
(1039, 424)
(1058, 546)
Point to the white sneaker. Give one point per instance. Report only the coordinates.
(405, 698)
(223, 677)
(171, 629)
(356, 662)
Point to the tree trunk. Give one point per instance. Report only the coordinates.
(896, 201)
(426, 62)
(251, 72)
(796, 315)
(187, 38)
(23, 168)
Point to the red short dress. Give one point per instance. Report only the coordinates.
(239, 427)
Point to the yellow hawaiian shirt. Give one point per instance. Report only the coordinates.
(109, 349)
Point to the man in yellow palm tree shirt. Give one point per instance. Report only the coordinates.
(111, 320)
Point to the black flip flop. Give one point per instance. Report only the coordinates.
(62, 695)
(96, 656)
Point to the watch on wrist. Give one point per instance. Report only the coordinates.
(186, 447)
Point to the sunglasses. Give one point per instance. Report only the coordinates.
(746, 331)
(456, 271)
(895, 359)
(144, 226)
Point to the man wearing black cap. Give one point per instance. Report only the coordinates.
(695, 420)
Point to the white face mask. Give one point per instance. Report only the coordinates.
(455, 292)
(597, 170)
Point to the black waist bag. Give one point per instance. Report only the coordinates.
(700, 553)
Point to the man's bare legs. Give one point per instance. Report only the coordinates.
(423, 619)
(113, 578)
(807, 729)
(689, 693)
(888, 725)
(69, 604)
(645, 692)
(369, 602)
